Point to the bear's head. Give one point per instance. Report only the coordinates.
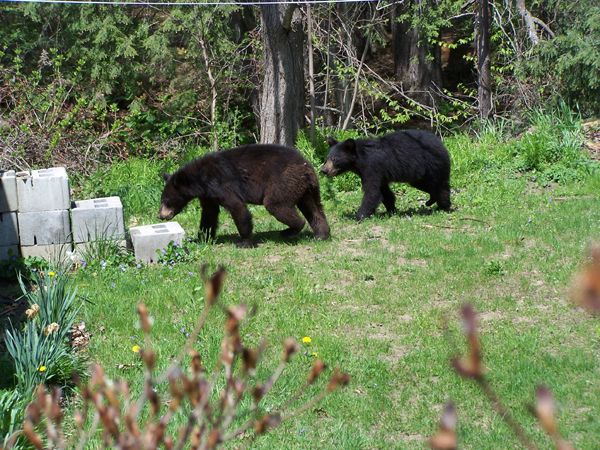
(341, 157)
(175, 196)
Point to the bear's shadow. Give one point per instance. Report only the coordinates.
(408, 212)
(262, 237)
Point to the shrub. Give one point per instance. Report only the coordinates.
(40, 351)
(211, 400)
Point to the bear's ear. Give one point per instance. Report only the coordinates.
(350, 145)
(331, 141)
(166, 177)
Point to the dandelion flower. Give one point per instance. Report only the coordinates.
(52, 328)
(32, 311)
(306, 340)
(314, 354)
(136, 348)
(42, 369)
(51, 274)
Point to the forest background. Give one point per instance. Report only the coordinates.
(82, 85)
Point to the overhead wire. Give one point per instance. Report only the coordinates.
(185, 3)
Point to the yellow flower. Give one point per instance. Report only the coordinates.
(42, 369)
(306, 340)
(51, 274)
(32, 311)
(52, 328)
(314, 354)
(135, 349)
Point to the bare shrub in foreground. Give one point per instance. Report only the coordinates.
(585, 292)
(471, 367)
(586, 285)
(213, 413)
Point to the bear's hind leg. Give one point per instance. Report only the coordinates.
(311, 208)
(287, 215)
(389, 199)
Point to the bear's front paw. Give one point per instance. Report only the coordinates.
(246, 243)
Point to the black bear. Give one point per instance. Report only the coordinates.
(416, 157)
(272, 175)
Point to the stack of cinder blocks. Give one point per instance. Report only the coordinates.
(9, 229)
(43, 212)
(38, 219)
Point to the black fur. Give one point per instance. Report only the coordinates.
(275, 176)
(416, 157)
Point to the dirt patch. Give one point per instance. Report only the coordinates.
(379, 333)
(351, 247)
(490, 316)
(405, 437)
(273, 258)
(411, 262)
(305, 253)
(396, 353)
(342, 280)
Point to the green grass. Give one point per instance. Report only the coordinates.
(373, 299)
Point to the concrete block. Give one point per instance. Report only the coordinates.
(43, 190)
(9, 229)
(8, 251)
(8, 191)
(53, 252)
(148, 239)
(43, 228)
(97, 219)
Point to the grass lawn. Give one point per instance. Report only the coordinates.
(373, 299)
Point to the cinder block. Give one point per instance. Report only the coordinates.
(52, 252)
(97, 219)
(8, 191)
(9, 229)
(43, 228)
(43, 190)
(148, 239)
(9, 251)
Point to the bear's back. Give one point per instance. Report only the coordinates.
(411, 141)
(272, 156)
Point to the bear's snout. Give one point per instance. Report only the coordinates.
(165, 213)
(328, 168)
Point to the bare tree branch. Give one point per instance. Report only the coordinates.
(529, 23)
(544, 26)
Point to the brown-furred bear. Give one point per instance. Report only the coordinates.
(275, 176)
(416, 157)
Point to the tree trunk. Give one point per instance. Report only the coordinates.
(484, 77)
(311, 75)
(282, 90)
(417, 64)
